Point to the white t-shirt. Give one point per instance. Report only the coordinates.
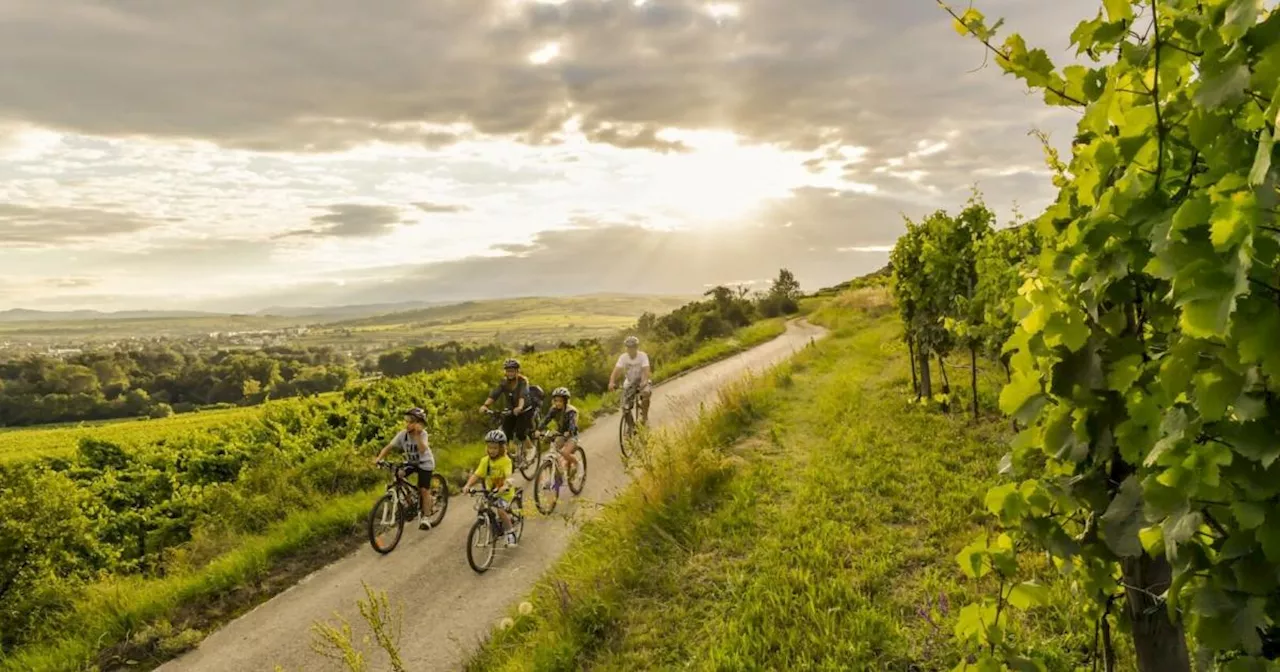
(632, 367)
(413, 453)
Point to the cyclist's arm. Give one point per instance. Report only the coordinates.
(570, 424)
(387, 448)
(493, 396)
(644, 371)
(613, 375)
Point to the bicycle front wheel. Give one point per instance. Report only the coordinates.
(385, 524)
(626, 431)
(529, 460)
(545, 492)
(481, 547)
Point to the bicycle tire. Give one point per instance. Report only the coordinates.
(440, 489)
(626, 429)
(480, 526)
(385, 500)
(549, 468)
(581, 454)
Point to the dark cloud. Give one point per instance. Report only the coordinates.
(351, 220)
(440, 208)
(44, 226)
(325, 74)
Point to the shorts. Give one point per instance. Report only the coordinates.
(518, 427)
(424, 475)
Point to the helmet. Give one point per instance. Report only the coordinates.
(631, 342)
(417, 414)
(495, 436)
(560, 392)
(511, 364)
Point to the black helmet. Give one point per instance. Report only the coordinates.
(417, 414)
(511, 364)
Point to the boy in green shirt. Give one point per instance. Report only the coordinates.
(496, 468)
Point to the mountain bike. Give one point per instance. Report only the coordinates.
(487, 529)
(630, 417)
(401, 503)
(550, 475)
(523, 460)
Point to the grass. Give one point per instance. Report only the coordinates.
(825, 539)
(149, 621)
(745, 339)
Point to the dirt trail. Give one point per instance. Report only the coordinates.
(449, 609)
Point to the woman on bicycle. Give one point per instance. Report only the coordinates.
(495, 468)
(418, 458)
(566, 419)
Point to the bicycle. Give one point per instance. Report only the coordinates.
(550, 470)
(402, 503)
(487, 529)
(627, 424)
(521, 460)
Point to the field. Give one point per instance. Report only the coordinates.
(540, 320)
(813, 524)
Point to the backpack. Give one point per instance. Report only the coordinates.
(536, 395)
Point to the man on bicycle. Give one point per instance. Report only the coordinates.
(496, 468)
(514, 389)
(636, 365)
(418, 459)
(566, 418)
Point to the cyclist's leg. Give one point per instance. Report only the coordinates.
(523, 430)
(424, 490)
(566, 446)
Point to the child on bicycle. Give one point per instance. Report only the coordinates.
(495, 468)
(418, 459)
(566, 418)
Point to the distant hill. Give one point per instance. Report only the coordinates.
(619, 305)
(28, 315)
(325, 313)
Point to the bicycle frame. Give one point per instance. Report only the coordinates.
(401, 490)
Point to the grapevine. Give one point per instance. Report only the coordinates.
(1145, 363)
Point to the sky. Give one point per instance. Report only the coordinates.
(241, 154)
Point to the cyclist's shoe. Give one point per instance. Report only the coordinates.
(424, 524)
(511, 540)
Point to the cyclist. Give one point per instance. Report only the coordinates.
(418, 458)
(514, 389)
(566, 418)
(495, 468)
(636, 365)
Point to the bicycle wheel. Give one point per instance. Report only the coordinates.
(529, 461)
(383, 519)
(545, 493)
(480, 537)
(626, 430)
(577, 476)
(440, 494)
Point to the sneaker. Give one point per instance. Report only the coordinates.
(423, 523)
(511, 539)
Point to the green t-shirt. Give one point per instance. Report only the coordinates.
(494, 470)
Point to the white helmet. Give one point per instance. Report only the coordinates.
(631, 342)
(495, 436)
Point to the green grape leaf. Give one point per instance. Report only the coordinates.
(1248, 514)
(1262, 160)
(1118, 10)
(1124, 373)
(1223, 87)
(1215, 389)
(1019, 394)
(1241, 16)
(1028, 594)
(1257, 440)
(1123, 519)
(1231, 219)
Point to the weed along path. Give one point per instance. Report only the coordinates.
(447, 608)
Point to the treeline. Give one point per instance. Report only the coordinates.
(113, 510)
(426, 358)
(955, 279)
(160, 381)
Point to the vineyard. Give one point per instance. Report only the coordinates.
(126, 530)
(1138, 321)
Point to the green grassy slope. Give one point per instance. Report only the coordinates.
(825, 538)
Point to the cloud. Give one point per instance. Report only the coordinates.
(351, 220)
(820, 234)
(44, 226)
(328, 74)
(438, 208)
